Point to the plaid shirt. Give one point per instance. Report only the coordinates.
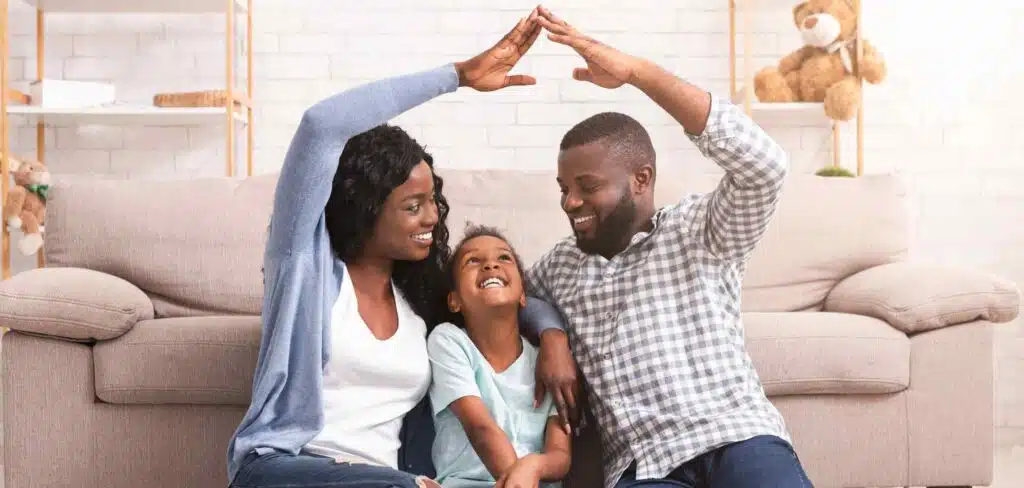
(656, 330)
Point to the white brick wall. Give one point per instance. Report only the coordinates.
(949, 116)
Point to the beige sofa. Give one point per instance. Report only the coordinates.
(130, 358)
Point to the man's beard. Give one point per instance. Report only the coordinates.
(612, 232)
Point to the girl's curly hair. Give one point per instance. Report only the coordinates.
(472, 232)
(371, 165)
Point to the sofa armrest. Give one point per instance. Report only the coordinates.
(917, 297)
(72, 303)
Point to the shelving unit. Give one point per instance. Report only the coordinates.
(124, 115)
(809, 110)
(16, 104)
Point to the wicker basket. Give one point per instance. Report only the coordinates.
(208, 98)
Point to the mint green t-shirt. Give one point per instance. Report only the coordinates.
(460, 370)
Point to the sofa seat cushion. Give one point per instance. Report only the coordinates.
(194, 360)
(211, 360)
(821, 353)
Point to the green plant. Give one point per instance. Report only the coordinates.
(830, 171)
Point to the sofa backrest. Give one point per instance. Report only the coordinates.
(195, 246)
(824, 229)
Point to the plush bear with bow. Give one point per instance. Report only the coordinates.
(25, 207)
(823, 69)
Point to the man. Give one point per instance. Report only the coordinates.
(652, 297)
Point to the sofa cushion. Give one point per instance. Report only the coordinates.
(198, 360)
(71, 303)
(918, 297)
(211, 360)
(800, 353)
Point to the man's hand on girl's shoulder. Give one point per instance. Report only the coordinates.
(557, 375)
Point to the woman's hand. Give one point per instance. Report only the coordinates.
(489, 70)
(556, 373)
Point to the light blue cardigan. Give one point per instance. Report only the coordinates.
(303, 275)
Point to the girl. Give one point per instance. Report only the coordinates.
(489, 430)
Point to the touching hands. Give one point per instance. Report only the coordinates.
(525, 473)
(489, 70)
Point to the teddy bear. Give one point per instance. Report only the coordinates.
(25, 207)
(822, 70)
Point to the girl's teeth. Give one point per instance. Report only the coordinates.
(492, 282)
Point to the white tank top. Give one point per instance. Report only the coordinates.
(370, 384)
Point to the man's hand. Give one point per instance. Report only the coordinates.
(489, 70)
(687, 104)
(556, 373)
(606, 67)
(525, 473)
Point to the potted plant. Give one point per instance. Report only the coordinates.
(833, 171)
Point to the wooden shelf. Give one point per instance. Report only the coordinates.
(136, 6)
(784, 113)
(760, 5)
(15, 96)
(805, 111)
(125, 115)
(17, 105)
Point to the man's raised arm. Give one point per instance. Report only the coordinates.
(736, 214)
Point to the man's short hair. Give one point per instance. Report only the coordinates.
(626, 137)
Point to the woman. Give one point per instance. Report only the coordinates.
(352, 265)
(490, 432)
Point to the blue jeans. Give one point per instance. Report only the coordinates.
(760, 462)
(278, 469)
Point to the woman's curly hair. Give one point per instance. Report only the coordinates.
(371, 165)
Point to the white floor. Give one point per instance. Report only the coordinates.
(1009, 468)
